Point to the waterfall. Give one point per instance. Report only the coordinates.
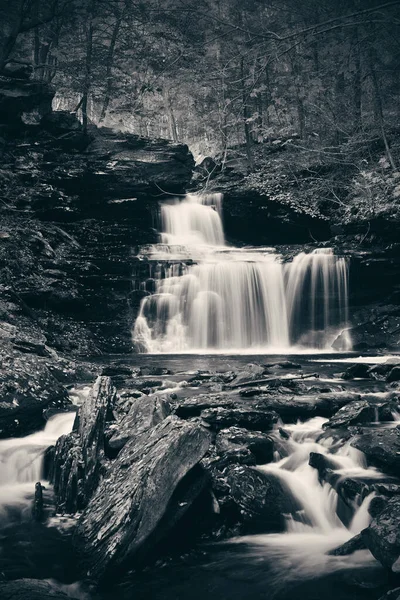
(208, 296)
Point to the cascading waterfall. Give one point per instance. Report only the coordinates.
(212, 297)
(21, 460)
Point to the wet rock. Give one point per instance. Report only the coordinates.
(357, 371)
(79, 457)
(260, 446)
(382, 448)
(354, 544)
(382, 537)
(38, 508)
(144, 414)
(359, 412)
(30, 589)
(219, 418)
(115, 370)
(120, 524)
(394, 375)
(191, 407)
(261, 498)
(380, 370)
(27, 388)
(251, 372)
(154, 371)
(323, 463)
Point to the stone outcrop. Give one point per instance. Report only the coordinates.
(381, 447)
(382, 537)
(30, 589)
(27, 390)
(121, 521)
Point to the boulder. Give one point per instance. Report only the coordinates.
(262, 499)
(259, 420)
(381, 447)
(260, 446)
(251, 372)
(357, 371)
(30, 589)
(191, 407)
(79, 457)
(27, 388)
(361, 411)
(382, 537)
(145, 413)
(393, 375)
(119, 527)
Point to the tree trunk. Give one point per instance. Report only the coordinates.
(88, 63)
(110, 62)
(246, 116)
(380, 121)
(357, 97)
(170, 113)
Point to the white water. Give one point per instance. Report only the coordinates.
(316, 527)
(211, 297)
(21, 461)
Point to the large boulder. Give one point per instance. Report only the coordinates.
(382, 537)
(79, 457)
(234, 439)
(361, 411)
(27, 389)
(261, 497)
(122, 522)
(381, 447)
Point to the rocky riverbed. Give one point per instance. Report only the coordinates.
(167, 457)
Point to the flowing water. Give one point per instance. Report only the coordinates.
(209, 296)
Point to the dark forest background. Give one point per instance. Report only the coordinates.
(237, 81)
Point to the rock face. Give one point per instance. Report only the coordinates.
(261, 446)
(220, 418)
(131, 501)
(91, 199)
(27, 389)
(24, 100)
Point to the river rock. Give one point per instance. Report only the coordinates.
(191, 407)
(120, 524)
(360, 411)
(352, 545)
(30, 589)
(219, 418)
(357, 371)
(382, 537)
(381, 447)
(145, 413)
(262, 499)
(251, 372)
(394, 375)
(260, 446)
(79, 457)
(27, 388)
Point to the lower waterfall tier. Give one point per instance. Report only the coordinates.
(234, 300)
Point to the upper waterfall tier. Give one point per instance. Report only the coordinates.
(235, 299)
(193, 222)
